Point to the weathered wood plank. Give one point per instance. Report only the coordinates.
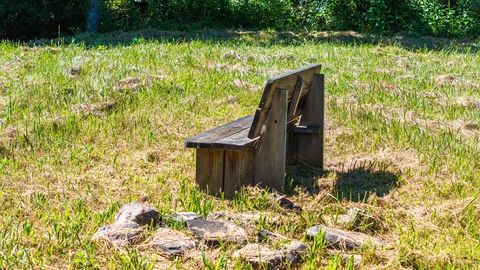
(285, 81)
(307, 130)
(297, 90)
(269, 170)
(210, 169)
(208, 138)
(310, 146)
(236, 141)
(238, 170)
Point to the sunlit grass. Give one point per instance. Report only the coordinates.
(64, 173)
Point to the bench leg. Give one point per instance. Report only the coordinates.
(269, 168)
(209, 171)
(309, 147)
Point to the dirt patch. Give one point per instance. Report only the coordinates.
(450, 80)
(128, 84)
(470, 102)
(95, 109)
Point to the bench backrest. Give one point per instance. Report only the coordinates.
(297, 83)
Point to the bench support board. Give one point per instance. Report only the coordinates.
(310, 134)
(271, 151)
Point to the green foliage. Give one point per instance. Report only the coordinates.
(462, 19)
(27, 19)
(31, 18)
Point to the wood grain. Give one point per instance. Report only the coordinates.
(210, 169)
(232, 135)
(284, 81)
(310, 146)
(238, 171)
(297, 90)
(270, 156)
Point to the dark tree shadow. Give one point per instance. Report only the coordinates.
(355, 184)
(264, 38)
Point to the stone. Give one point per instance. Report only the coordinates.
(182, 216)
(351, 218)
(357, 259)
(171, 242)
(215, 231)
(217, 215)
(139, 212)
(75, 71)
(119, 235)
(284, 202)
(267, 236)
(242, 218)
(260, 256)
(295, 252)
(345, 239)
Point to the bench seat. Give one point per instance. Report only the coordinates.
(230, 136)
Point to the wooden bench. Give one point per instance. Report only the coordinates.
(253, 150)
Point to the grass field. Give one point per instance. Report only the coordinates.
(85, 129)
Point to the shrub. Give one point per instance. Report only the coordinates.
(451, 18)
(32, 18)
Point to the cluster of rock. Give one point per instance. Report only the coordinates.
(269, 250)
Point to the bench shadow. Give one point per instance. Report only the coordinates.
(355, 184)
(358, 184)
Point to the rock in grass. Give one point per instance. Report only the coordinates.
(295, 252)
(119, 235)
(356, 259)
(284, 202)
(353, 217)
(260, 256)
(139, 212)
(345, 239)
(171, 242)
(215, 231)
(75, 70)
(267, 236)
(183, 216)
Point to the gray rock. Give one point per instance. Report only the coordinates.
(215, 231)
(267, 236)
(284, 202)
(172, 242)
(182, 216)
(119, 235)
(345, 239)
(260, 256)
(295, 253)
(353, 218)
(75, 70)
(217, 215)
(357, 259)
(139, 212)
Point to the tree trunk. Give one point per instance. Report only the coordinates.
(93, 17)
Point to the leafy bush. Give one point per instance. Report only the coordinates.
(32, 18)
(445, 19)
(452, 18)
